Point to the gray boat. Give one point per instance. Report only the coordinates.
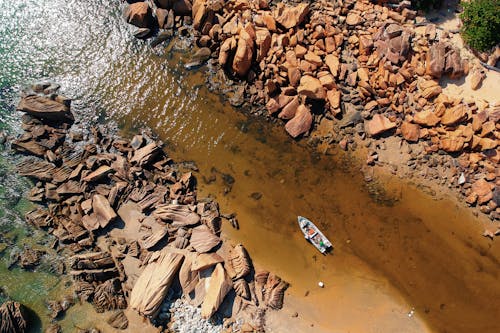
(313, 235)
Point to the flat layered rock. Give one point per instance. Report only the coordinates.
(44, 108)
(219, 285)
(178, 215)
(205, 260)
(105, 214)
(152, 285)
(144, 155)
(203, 240)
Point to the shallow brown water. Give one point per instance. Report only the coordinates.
(403, 261)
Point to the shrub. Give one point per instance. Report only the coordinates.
(481, 23)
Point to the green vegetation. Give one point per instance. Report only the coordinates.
(481, 23)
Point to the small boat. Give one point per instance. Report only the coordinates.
(313, 235)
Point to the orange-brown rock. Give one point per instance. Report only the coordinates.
(43, 107)
(410, 132)
(454, 115)
(203, 240)
(103, 210)
(451, 144)
(487, 143)
(272, 106)
(313, 58)
(353, 19)
(225, 50)
(139, 14)
(431, 92)
(378, 124)
(436, 60)
(263, 41)
(293, 76)
(300, 51)
(483, 190)
(13, 318)
(301, 123)
(365, 44)
(203, 261)
(290, 17)
(333, 97)
(476, 77)
(217, 288)
(327, 80)
(182, 7)
(426, 118)
(290, 109)
(311, 87)
(244, 53)
(154, 282)
(333, 63)
(269, 21)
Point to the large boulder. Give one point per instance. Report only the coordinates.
(12, 318)
(139, 14)
(219, 285)
(444, 58)
(44, 108)
(244, 53)
(436, 60)
(393, 42)
(301, 123)
(290, 17)
(154, 282)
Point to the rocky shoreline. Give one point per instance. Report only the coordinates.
(348, 73)
(136, 235)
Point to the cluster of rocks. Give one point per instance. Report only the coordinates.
(131, 221)
(371, 70)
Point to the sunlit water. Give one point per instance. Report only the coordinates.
(403, 262)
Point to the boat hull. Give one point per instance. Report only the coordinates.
(314, 235)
